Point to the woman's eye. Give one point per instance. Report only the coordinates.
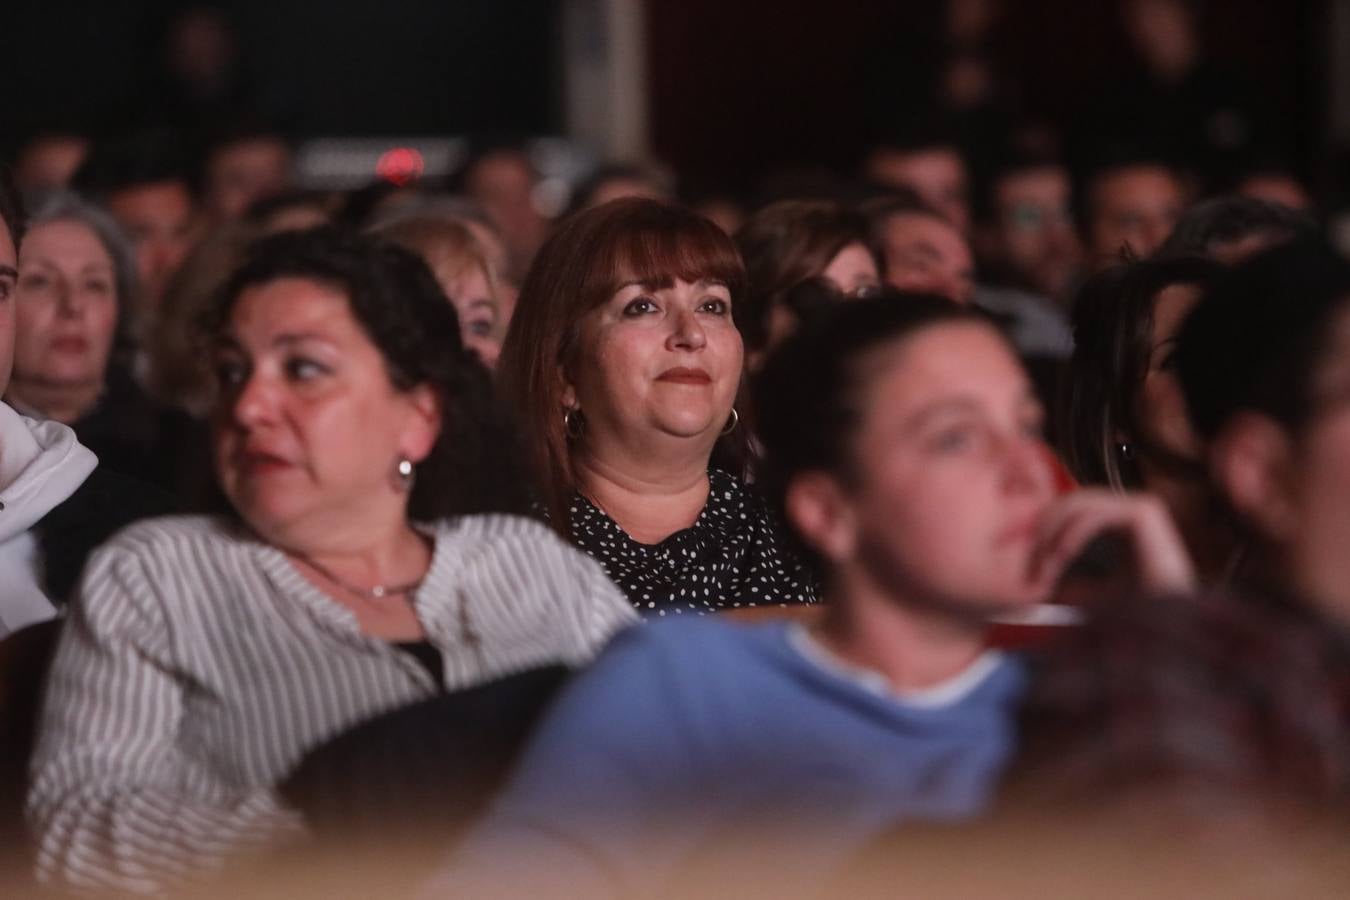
(98, 287)
(639, 306)
(301, 369)
(34, 282)
(715, 305)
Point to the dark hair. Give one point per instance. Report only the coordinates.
(579, 268)
(1017, 160)
(807, 394)
(786, 243)
(1112, 331)
(146, 158)
(11, 207)
(1260, 337)
(1208, 225)
(474, 465)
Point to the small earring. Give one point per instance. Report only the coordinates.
(404, 475)
(732, 423)
(1126, 451)
(573, 423)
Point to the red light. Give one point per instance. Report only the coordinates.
(400, 166)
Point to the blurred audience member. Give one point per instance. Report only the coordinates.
(464, 273)
(1264, 362)
(144, 182)
(726, 212)
(921, 250)
(374, 579)
(1177, 101)
(1031, 240)
(771, 751)
(502, 181)
(73, 304)
(49, 161)
(932, 168)
(624, 362)
(178, 372)
(296, 210)
(787, 243)
(615, 180)
(1130, 208)
(1125, 420)
(242, 167)
(1233, 227)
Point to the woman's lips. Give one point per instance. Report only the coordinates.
(682, 375)
(70, 344)
(254, 462)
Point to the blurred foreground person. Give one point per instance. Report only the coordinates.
(790, 242)
(463, 271)
(624, 362)
(72, 363)
(1212, 725)
(1125, 423)
(1264, 362)
(713, 750)
(360, 450)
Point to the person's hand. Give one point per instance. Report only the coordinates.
(1161, 563)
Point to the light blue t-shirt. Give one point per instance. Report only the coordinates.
(709, 744)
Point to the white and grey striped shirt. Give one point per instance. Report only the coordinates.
(198, 666)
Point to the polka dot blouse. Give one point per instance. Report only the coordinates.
(732, 556)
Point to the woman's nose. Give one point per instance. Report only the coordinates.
(253, 402)
(686, 333)
(69, 302)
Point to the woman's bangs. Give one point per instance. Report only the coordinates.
(690, 252)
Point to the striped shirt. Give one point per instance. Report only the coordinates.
(198, 666)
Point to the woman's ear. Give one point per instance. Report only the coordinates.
(424, 423)
(1252, 460)
(819, 508)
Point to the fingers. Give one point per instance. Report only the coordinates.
(1161, 562)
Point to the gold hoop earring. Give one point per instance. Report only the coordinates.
(734, 421)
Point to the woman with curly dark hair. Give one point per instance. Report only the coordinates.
(367, 566)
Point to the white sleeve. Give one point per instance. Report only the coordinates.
(113, 801)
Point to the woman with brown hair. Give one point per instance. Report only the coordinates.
(788, 243)
(624, 362)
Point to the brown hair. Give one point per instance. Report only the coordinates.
(578, 269)
(786, 243)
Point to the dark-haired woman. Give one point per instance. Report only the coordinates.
(1125, 424)
(624, 362)
(356, 441)
(790, 242)
(923, 489)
